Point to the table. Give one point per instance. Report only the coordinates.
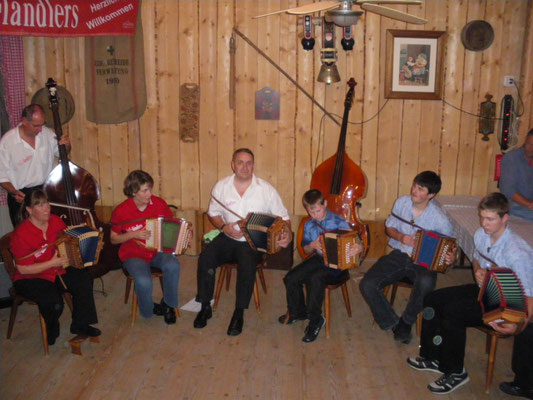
(462, 213)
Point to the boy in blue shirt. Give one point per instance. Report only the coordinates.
(312, 272)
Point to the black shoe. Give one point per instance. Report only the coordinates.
(512, 388)
(312, 330)
(402, 332)
(159, 308)
(291, 320)
(86, 330)
(170, 313)
(235, 326)
(201, 319)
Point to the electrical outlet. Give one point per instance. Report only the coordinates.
(508, 80)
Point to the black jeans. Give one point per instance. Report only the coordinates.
(391, 268)
(226, 250)
(523, 358)
(447, 314)
(48, 296)
(315, 276)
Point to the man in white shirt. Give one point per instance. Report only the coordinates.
(232, 197)
(27, 156)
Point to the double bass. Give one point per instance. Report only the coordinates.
(72, 186)
(341, 182)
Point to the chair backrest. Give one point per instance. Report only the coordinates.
(9, 262)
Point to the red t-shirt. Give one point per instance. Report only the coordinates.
(128, 211)
(27, 238)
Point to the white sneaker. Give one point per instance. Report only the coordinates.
(447, 383)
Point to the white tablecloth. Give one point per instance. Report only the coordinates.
(462, 212)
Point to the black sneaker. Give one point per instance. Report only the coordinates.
(290, 320)
(513, 389)
(423, 364)
(447, 383)
(402, 332)
(312, 330)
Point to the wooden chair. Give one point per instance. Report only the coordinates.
(9, 264)
(156, 273)
(225, 274)
(327, 301)
(491, 345)
(405, 283)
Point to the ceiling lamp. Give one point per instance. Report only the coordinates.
(344, 17)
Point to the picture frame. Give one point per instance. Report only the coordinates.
(413, 65)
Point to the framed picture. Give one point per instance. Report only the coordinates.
(413, 68)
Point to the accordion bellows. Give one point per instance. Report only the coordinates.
(81, 244)
(262, 231)
(170, 235)
(502, 297)
(336, 245)
(430, 248)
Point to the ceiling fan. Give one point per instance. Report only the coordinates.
(342, 14)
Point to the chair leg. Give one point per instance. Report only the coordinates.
(44, 334)
(419, 324)
(393, 293)
(134, 306)
(492, 356)
(68, 299)
(220, 283)
(346, 298)
(286, 318)
(327, 310)
(262, 279)
(161, 283)
(128, 288)
(256, 297)
(12, 317)
(228, 277)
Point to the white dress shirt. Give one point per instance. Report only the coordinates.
(23, 165)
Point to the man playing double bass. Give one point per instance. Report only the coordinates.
(27, 156)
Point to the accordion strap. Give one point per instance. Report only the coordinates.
(407, 222)
(319, 225)
(58, 241)
(226, 208)
(488, 259)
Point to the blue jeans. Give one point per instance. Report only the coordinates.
(392, 268)
(140, 271)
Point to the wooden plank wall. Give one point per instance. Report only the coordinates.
(187, 41)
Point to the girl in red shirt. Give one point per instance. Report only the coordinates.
(39, 267)
(129, 229)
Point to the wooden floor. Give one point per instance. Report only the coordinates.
(267, 361)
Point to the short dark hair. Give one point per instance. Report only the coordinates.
(495, 202)
(31, 199)
(29, 111)
(429, 180)
(135, 180)
(242, 150)
(312, 197)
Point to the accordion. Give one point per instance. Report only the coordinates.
(81, 244)
(502, 297)
(335, 247)
(262, 231)
(430, 248)
(170, 235)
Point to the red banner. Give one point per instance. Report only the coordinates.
(68, 17)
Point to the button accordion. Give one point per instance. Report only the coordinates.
(430, 248)
(502, 297)
(262, 231)
(170, 235)
(81, 244)
(335, 247)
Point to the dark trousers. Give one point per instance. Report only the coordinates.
(391, 268)
(523, 358)
(14, 207)
(48, 296)
(447, 314)
(226, 250)
(315, 276)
